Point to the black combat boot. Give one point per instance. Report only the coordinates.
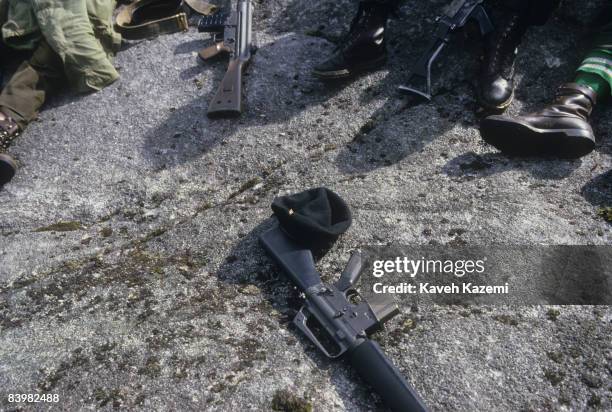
(363, 48)
(496, 87)
(561, 129)
(8, 131)
(8, 167)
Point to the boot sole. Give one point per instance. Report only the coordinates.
(8, 167)
(519, 139)
(346, 73)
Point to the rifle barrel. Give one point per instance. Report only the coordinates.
(376, 369)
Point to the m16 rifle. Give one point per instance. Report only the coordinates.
(235, 27)
(341, 322)
(456, 16)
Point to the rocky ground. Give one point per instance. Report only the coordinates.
(131, 276)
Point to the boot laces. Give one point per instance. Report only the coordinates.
(5, 139)
(362, 21)
(8, 132)
(503, 50)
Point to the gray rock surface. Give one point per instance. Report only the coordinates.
(130, 274)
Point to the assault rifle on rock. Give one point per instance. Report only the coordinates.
(235, 27)
(339, 324)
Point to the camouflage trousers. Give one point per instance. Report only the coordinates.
(29, 86)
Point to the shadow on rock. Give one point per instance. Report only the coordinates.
(472, 165)
(598, 191)
(187, 133)
(190, 46)
(278, 87)
(405, 124)
(181, 137)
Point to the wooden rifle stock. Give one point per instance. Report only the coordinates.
(227, 102)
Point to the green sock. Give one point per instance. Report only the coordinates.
(595, 82)
(596, 69)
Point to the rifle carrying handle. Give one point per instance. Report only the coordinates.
(376, 369)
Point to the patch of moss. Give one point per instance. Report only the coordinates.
(153, 234)
(204, 206)
(151, 367)
(552, 314)
(61, 227)
(55, 291)
(409, 324)
(574, 352)
(139, 400)
(329, 147)
(554, 377)
(594, 401)
(102, 353)
(218, 387)
(245, 186)
(76, 360)
(106, 232)
(108, 217)
(606, 213)
(457, 231)
(112, 396)
(506, 320)
(592, 381)
(555, 356)
(285, 401)
(367, 127)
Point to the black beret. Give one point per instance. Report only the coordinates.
(315, 217)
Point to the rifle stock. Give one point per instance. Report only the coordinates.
(236, 30)
(227, 102)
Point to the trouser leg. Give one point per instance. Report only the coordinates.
(28, 88)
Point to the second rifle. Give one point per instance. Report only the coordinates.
(235, 27)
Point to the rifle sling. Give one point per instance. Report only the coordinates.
(145, 19)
